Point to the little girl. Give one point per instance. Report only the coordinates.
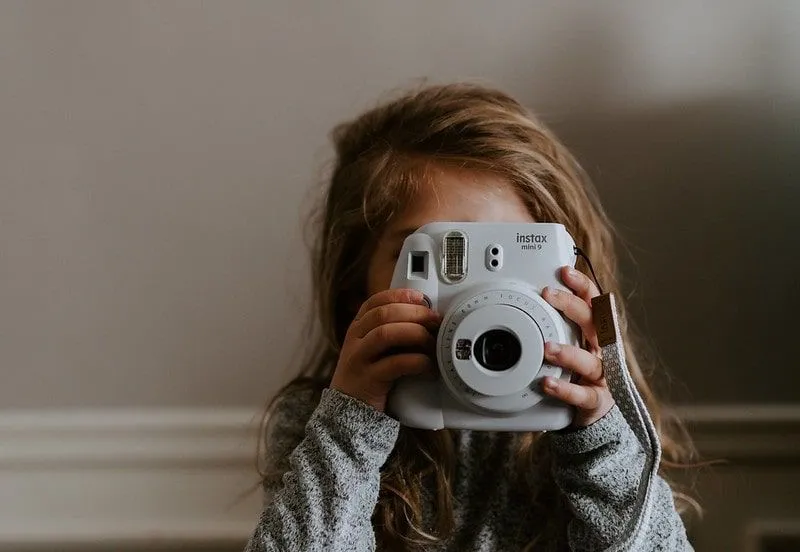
(341, 474)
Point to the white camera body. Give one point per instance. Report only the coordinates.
(486, 280)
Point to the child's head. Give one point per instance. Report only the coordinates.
(456, 153)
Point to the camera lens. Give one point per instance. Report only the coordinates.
(497, 350)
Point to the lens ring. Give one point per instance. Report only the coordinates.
(497, 350)
(522, 312)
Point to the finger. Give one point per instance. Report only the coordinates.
(406, 364)
(396, 312)
(581, 396)
(397, 335)
(580, 283)
(389, 296)
(573, 307)
(574, 359)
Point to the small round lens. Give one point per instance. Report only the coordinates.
(497, 350)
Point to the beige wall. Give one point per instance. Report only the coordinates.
(155, 157)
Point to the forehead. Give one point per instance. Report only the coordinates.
(459, 195)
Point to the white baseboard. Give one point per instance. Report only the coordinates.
(122, 478)
(758, 531)
(746, 434)
(181, 476)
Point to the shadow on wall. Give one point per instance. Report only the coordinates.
(705, 195)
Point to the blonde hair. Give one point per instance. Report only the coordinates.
(381, 157)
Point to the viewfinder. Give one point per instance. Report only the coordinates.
(418, 265)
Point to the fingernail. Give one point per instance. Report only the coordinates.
(574, 273)
(553, 292)
(550, 383)
(552, 348)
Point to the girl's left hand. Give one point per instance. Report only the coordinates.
(589, 394)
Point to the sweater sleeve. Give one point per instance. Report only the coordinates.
(598, 469)
(331, 474)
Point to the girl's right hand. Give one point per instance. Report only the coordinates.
(392, 335)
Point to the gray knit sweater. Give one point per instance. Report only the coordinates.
(331, 455)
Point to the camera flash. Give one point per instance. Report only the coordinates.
(454, 257)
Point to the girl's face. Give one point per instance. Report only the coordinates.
(454, 195)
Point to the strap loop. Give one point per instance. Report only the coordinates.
(634, 410)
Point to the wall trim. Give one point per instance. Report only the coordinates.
(182, 476)
(758, 531)
(113, 479)
(745, 434)
(188, 437)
